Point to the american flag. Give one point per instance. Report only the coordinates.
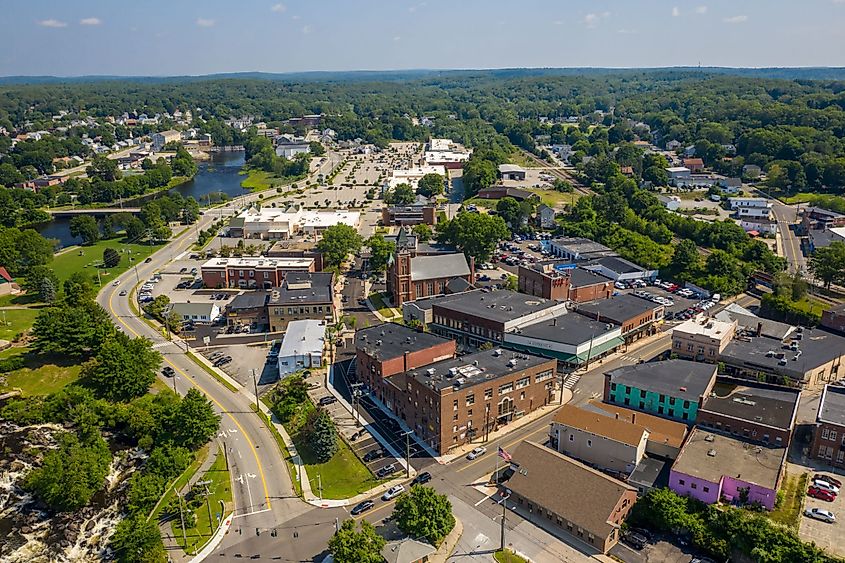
(504, 455)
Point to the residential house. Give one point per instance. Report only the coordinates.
(600, 441)
(568, 497)
(694, 164)
(194, 312)
(665, 437)
(545, 218)
(751, 207)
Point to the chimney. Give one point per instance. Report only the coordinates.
(633, 418)
(759, 328)
(617, 416)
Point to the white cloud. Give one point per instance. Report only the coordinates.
(676, 12)
(625, 31)
(306, 29)
(90, 21)
(52, 23)
(397, 37)
(592, 19)
(204, 22)
(416, 7)
(839, 1)
(701, 10)
(278, 7)
(736, 19)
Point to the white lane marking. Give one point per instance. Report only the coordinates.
(485, 498)
(251, 513)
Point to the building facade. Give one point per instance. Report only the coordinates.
(702, 338)
(563, 283)
(251, 272)
(828, 443)
(303, 295)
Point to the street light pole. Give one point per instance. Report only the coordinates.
(408, 453)
(255, 384)
(504, 513)
(355, 395)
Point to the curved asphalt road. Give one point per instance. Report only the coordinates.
(262, 491)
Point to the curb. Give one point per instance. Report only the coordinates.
(212, 544)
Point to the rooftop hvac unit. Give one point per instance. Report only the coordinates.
(430, 371)
(709, 438)
(711, 453)
(511, 363)
(497, 352)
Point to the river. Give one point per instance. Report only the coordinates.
(219, 174)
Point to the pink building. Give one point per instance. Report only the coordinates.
(713, 467)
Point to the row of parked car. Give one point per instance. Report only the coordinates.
(391, 493)
(826, 488)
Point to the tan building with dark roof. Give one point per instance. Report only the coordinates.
(601, 441)
(665, 437)
(568, 497)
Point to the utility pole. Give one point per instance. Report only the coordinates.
(486, 423)
(255, 384)
(174, 384)
(355, 409)
(408, 453)
(320, 486)
(505, 498)
(208, 506)
(181, 518)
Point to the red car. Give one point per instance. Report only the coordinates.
(821, 494)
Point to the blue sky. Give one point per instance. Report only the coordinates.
(175, 37)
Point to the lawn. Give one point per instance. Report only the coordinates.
(378, 302)
(40, 376)
(15, 321)
(180, 481)
(826, 201)
(521, 159)
(811, 305)
(790, 496)
(258, 180)
(87, 258)
(508, 556)
(554, 198)
(481, 202)
(343, 476)
(220, 489)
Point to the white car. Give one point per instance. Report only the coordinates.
(820, 514)
(393, 492)
(479, 451)
(116, 283)
(826, 486)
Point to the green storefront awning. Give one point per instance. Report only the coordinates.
(597, 350)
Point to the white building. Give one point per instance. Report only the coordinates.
(271, 223)
(762, 226)
(751, 207)
(677, 173)
(446, 153)
(196, 312)
(302, 346)
(412, 176)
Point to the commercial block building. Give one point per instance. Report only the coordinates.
(712, 467)
(412, 176)
(753, 411)
(665, 437)
(303, 295)
(578, 249)
(409, 215)
(251, 272)
(269, 223)
(247, 309)
(619, 269)
(573, 340)
(638, 317)
(453, 401)
(829, 432)
(385, 350)
(511, 172)
(702, 338)
(554, 490)
(475, 317)
(604, 442)
(673, 389)
(810, 359)
(563, 283)
(164, 137)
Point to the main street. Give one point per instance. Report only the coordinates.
(262, 490)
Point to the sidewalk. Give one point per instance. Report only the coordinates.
(168, 535)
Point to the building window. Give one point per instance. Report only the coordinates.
(455, 405)
(642, 394)
(471, 399)
(706, 489)
(685, 416)
(833, 435)
(520, 383)
(840, 457)
(589, 443)
(506, 388)
(522, 395)
(469, 413)
(693, 485)
(488, 393)
(825, 433)
(572, 437)
(613, 387)
(681, 482)
(686, 404)
(455, 416)
(542, 376)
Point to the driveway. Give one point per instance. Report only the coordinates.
(826, 536)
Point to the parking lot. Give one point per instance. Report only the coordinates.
(826, 536)
(244, 359)
(658, 551)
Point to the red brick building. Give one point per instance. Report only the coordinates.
(638, 317)
(251, 272)
(454, 401)
(829, 434)
(834, 318)
(389, 349)
(694, 164)
(548, 282)
(409, 215)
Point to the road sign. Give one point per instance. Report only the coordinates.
(206, 340)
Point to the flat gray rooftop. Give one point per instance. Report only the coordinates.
(476, 368)
(675, 378)
(832, 405)
(500, 305)
(763, 404)
(618, 309)
(392, 340)
(568, 328)
(710, 456)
